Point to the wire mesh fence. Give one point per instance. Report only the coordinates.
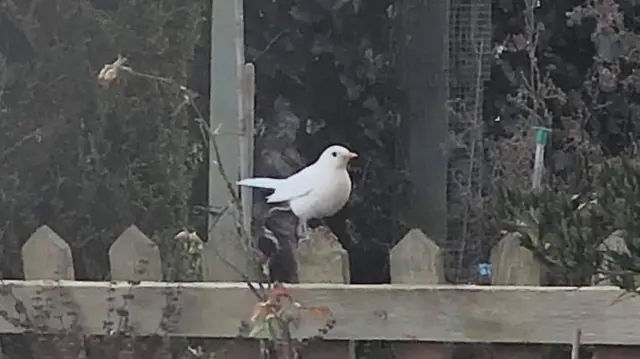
(470, 49)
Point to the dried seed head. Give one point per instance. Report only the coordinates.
(110, 72)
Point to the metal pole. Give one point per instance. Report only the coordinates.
(538, 165)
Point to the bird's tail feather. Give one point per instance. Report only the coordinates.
(260, 182)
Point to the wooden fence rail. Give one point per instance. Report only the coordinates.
(417, 312)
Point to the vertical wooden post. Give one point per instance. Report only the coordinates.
(416, 259)
(226, 113)
(230, 111)
(321, 259)
(246, 141)
(47, 256)
(513, 264)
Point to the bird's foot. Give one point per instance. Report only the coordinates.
(303, 232)
(304, 237)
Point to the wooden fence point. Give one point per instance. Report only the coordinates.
(47, 256)
(133, 256)
(417, 259)
(513, 264)
(615, 242)
(322, 259)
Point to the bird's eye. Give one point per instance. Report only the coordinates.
(334, 154)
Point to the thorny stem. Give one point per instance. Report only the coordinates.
(17, 302)
(211, 135)
(535, 84)
(190, 96)
(273, 41)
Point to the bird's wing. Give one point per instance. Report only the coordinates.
(299, 184)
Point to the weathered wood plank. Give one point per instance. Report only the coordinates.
(47, 256)
(133, 256)
(247, 128)
(614, 243)
(501, 314)
(322, 259)
(416, 259)
(226, 256)
(515, 265)
(230, 112)
(226, 112)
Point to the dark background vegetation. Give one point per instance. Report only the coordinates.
(88, 161)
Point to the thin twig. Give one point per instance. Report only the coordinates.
(270, 44)
(37, 134)
(211, 135)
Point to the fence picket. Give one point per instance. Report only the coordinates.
(416, 259)
(321, 259)
(47, 256)
(513, 264)
(614, 243)
(134, 257)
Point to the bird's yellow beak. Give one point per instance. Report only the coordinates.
(352, 155)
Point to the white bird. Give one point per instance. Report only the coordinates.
(316, 191)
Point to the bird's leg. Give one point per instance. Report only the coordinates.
(303, 233)
(272, 209)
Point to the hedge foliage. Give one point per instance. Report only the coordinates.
(89, 160)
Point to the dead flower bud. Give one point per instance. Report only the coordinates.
(187, 236)
(111, 72)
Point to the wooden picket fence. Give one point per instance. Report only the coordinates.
(419, 314)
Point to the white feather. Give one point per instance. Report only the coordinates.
(316, 191)
(260, 182)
